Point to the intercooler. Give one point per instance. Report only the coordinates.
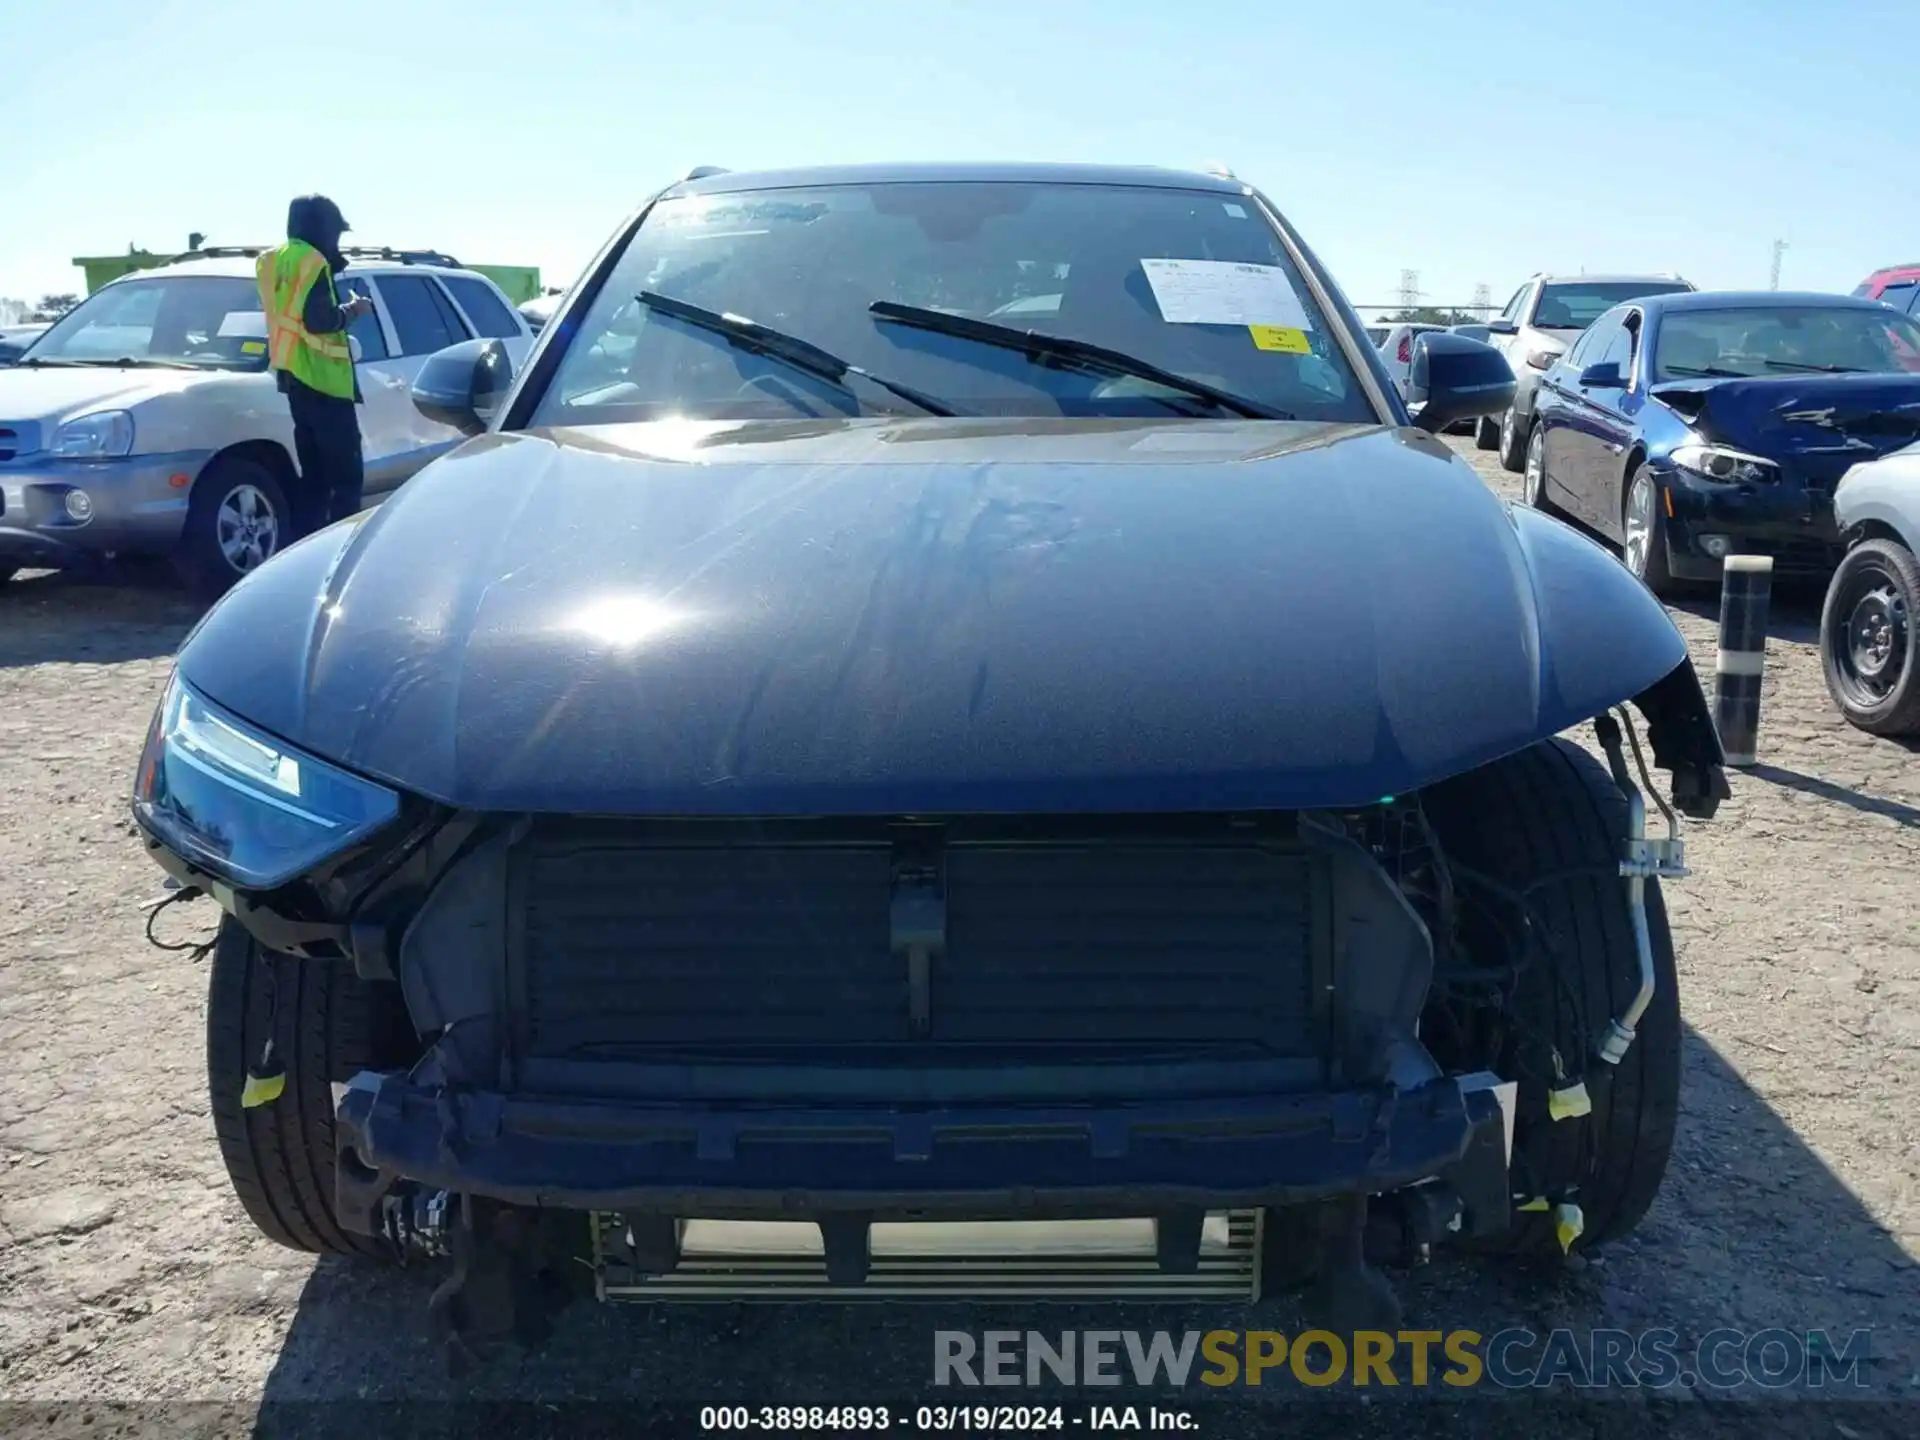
(982, 1260)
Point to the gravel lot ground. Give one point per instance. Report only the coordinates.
(128, 1273)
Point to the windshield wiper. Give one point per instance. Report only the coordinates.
(1713, 372)
(802, 355)
(122, 361)
(1822, 369)
(1064, 350)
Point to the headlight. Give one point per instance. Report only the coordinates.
(1542, 359)
(99, 436)
(242, 804)
(1724, 464)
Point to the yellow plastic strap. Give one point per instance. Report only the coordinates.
(1539, 1202)
(262, 1090)
(1569, 1102)
(1568, 1223)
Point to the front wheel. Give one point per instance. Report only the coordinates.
(237, 520)
(1486, 433)
(1513, 442)
(1536, 840)
(1533, 485)
(1643, 530)
(327, 1025)
(1869, 643)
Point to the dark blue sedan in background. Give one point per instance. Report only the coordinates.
(1691, 427)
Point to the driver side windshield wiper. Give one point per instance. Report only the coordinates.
(124, 360)
(1064, 350)
(802, 355)
(1819, 369)
(1712, 372)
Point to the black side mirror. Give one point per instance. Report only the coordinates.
(463, 385)
(1502, 327)
(1453, 378)
(1603, 376)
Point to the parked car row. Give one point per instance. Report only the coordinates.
(1685, 426)
(145, 422)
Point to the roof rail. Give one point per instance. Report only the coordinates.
(363, 252)
(218, 252)
(402, 257)
(701, 172)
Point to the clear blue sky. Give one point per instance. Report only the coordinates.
(1531, 135)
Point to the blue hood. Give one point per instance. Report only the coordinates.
(884, 616)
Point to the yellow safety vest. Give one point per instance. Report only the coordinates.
(285, 276)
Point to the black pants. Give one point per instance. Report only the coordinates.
(326, 441)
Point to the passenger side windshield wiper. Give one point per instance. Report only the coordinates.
(1064, 350)
(802, 355)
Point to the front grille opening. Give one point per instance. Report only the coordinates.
(915, 945)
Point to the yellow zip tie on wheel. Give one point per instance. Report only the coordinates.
(266, 1083)
(1569, 1102)
(1568, 1223)
(262, 1089)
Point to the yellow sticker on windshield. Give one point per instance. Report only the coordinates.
(1279, 337)
(253, 347)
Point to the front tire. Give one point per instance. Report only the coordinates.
(327, 1025)
(1550, 823)
(237, 520)
(1643, 532)
(1533, 484)
(1486, 433)
(1869, 640)
(1512, 442)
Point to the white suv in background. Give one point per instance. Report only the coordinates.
(1538, 326)
(145, 421)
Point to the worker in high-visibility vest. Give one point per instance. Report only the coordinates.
(307, 349)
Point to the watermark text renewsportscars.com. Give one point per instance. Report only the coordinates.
(1511, 1359)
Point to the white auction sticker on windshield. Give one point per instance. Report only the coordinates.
(1224, 292)
(244, 324)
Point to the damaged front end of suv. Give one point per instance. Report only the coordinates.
(1094, 853)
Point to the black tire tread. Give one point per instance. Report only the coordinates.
(1902, 715)
(1549, 808)
(279, 1156)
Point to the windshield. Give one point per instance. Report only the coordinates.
(1783, 340)
(201, 320)
(1196, 284)
(1577, 304)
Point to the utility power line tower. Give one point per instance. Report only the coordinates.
(1482, 301)
(1409, 289)
(1773, 279)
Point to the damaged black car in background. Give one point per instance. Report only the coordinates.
(1692, 427)
(1036, 731)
